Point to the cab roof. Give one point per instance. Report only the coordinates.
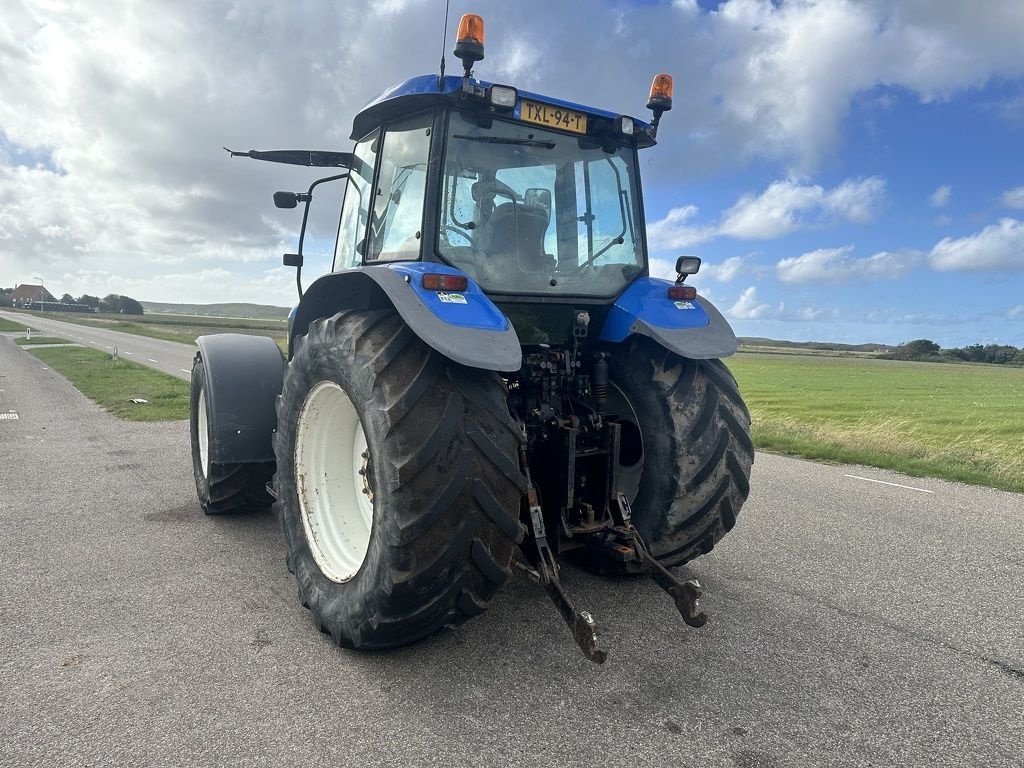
(426, 91)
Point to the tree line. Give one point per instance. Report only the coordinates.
(926, 350)
(112, 303)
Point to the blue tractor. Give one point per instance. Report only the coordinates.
(488, 373)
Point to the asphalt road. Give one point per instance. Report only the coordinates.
(852, 623)
(167, 356)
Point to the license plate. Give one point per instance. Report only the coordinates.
(555, 117)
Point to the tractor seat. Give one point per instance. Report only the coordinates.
(516, 230)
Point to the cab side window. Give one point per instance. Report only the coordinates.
(396, 221)
(355, 211)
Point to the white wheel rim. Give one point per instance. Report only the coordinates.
(203, 432)
(335, 499)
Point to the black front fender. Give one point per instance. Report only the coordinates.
(244, 376)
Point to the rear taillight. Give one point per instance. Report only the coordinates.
(436, 282)
(682, 292)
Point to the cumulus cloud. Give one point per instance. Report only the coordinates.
(940, 197)
(792, 69)
(727, 271)
(677, 231)
(996, 247)
(113, 113)
(788, 205)
(785, 206)
(1014, 198)
(749, 307)
(837, 265)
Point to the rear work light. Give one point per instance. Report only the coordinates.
(436, 282)
(626, 125)
(503, 96)
(682, 292)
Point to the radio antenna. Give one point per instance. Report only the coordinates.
(440, 78)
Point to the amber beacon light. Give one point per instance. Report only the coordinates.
(660, 99)
(661, 93)
(469, 45)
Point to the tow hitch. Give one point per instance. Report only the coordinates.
(616, 543)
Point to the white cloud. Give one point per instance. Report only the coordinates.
(940, 197)
(748, 307)
(787, 205)
(784, 207)
(122, 109)
(206, 286)
(996, 247)
(727, 271)
(688, 6)
(822, 265)
(790, 70)
(675, 230)
(1016, 313)
(1014, 198)
(836, 265)
(810, 313)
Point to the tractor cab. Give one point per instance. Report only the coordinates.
(525, 194)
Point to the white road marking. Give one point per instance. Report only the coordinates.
(108, 346)
(152, 360)
(883, 482)
(184, 371)
(128, 353)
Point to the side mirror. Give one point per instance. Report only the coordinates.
(538, 197)
(293, 259)
(687, 265)
(286, 199)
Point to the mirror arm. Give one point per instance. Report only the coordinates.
(305, 217)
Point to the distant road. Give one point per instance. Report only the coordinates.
(167, 356)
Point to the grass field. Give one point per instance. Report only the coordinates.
(113, 385)
(8, 325)
(22, 341)
(181, 328)
(959, 422)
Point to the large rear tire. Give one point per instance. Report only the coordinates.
(686, 452)
(398, 481)
(222, 488)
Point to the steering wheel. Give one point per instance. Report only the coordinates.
(463, 233)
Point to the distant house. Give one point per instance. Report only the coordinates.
(26, 293)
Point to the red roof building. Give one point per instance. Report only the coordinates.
(26, 293)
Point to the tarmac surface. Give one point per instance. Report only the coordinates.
(853, 623)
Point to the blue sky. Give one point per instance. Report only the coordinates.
(946, 168)
(848, 171)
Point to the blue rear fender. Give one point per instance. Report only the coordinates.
(693, 329)
(464, 326)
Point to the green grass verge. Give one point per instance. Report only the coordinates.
(10, 325)
(41, 340)
(112, 385)
(958, 422)
(180, 328)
